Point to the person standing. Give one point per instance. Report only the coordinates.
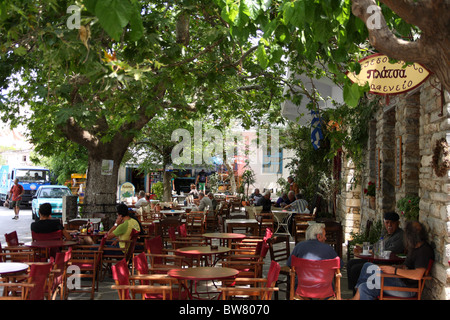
(202, 180)
(15, 195)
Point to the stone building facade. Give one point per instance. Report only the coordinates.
(402, 139)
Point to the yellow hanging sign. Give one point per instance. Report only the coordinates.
(387, 78)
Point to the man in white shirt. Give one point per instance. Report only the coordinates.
(142, 202)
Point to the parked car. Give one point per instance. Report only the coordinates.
(52, 194)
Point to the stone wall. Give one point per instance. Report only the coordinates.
(419, 119)
(434, 191)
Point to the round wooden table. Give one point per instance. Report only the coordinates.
(225, 237)
(202, 274)
(195, 252)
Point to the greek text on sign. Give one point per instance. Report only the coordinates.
(388, 78)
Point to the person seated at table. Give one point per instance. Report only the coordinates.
(393, 241)
(290, 200)
(282, 201)
(142, 201)
(299, 205)
(255, 196)
(122, 228)
(213, 201)
(419, 254)
(204, 203)
(46, 224)
(265, 202)
(314, 246)
(194, 191)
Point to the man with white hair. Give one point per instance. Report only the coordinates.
(314, 246)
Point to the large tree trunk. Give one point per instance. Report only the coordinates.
(431, 49)
(101, 186)
(167, 179)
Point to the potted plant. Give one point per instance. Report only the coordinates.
(370, 192)
(409, 207)
(247, 179)
(158, 189)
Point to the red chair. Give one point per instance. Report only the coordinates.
(140, 264)
(60, 274)
(88, 260)
(34, 286)
(249, 265)
(124, 285)
(161, 261)
(14, 251)
(258, 288)
(12, 240)
(315, 279)
(51, 252)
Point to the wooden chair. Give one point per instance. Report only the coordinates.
(266, 220)
(177, 242)
(16, 254)
(313, 279)
(33, 286)
(86, 262)
(12, 240)
(249, 265)
(299, 226)
(145, 276)
(333, 230)
(195, 222)
(418, 290)
(256, 288)
(124, 285)
(45, 254)
(60, 274)
(280, 251)
(112, 255)
(161, 260)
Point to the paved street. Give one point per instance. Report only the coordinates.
(21, 226)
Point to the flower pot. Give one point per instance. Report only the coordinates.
(372, 203)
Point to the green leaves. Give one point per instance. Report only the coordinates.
(114, 15)
(351, 94)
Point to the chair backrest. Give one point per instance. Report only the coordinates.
(272, 274)
(141, 265)
(279, 254)
(121, 276)
(12, 239)
(61, 261)
(130, 249)
(172, 233)
(56, 235)
(182, 230)
(315, 277)
(269, 234)
(155, 246)
(39, 277)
